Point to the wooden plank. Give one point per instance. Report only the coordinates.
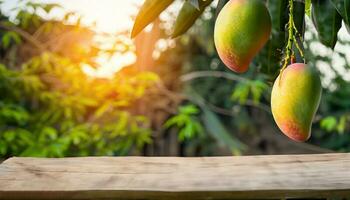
(321, 175)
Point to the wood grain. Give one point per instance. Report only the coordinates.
(321, 175)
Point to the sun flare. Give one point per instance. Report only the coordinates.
(108, 66)
(108, 18)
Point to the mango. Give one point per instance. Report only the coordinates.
(242, 28)
(295, 98)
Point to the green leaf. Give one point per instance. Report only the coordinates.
(15, 37)
(241, 92)
(9, 135)
(6, 40)
(221, 4)
(176, 120)
(343, 8)
(329, 123)
(188, 16)
(219, 132)
(327, 21)
(299, 17)
(308, 7)
(272, 54)
(186, 122)
(189, 109)
(279, 14)
(188, 131)
(258, 88)
(8, 37)
(149, 11)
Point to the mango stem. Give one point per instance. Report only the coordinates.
(292, 39)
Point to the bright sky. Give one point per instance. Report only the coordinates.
(110, 15)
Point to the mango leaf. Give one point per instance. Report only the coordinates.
(279, 14)
(241, 92)
(308, 7)
(221, 4)
(6, 41)
(219, 132)
(9, 135)
(258, 87)
(189, 109)
(149, 11)
(299, 17)
(187, 16)
(186, 122)
(343, 8)
(299, 21)
(272, 54)
(329, 123)
(194, 3)
(327, 21)
(10, 36)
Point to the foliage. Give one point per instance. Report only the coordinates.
(148, 13)
(254, 87)
(324, 13)
(188, 14)
(188, 124)
(56, 109)
(50, 107)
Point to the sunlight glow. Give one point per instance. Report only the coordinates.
(109, 66)
(109, 17)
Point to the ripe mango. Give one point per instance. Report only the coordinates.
(295, 98)
(242, 28)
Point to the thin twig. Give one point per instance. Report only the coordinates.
(217, 74)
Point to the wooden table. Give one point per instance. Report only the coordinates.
(246, 177)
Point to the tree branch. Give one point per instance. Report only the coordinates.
(217, 74)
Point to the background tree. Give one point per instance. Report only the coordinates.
(177, 99)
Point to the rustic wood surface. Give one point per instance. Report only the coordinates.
(321, 175)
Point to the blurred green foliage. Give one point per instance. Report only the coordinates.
(186, 121)
(50, 108)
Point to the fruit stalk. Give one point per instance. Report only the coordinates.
(292, 31)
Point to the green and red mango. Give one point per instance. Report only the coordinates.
(295, 98)
(242, 28)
